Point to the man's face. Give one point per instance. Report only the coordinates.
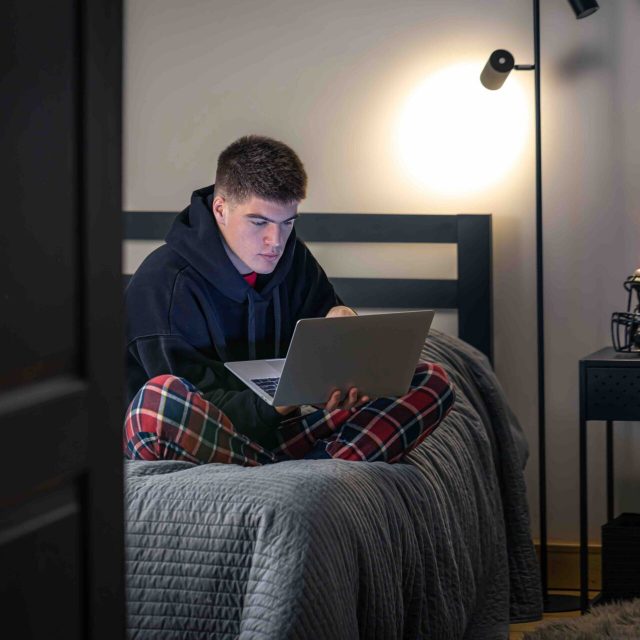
(256, 231)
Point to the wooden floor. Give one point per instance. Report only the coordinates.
(517, 631)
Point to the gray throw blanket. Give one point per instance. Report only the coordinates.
(435, 547)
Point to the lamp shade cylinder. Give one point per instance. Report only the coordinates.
(584, 8)
(497, 69)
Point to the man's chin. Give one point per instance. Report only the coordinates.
(264, 272)
(265, 266)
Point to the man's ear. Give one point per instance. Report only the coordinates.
(219, 208)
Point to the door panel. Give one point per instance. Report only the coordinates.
(39, 90)
(46, 430)
(61, 345)
(43, 590)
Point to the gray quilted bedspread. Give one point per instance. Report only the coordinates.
(437, 547)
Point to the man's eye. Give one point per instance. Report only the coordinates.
(261, 223)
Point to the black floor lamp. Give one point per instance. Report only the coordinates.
(495, 72)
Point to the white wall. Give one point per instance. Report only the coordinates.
(331, 78)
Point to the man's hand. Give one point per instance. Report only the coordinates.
(283, 411)
(340, 310)
(351, 399)
(336, 401)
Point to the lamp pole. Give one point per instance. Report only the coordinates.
(542, 445)
(550, 602)
(555, 602)
(493, 76)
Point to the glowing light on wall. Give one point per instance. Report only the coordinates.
(454, 136)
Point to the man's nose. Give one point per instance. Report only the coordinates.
(274, 235)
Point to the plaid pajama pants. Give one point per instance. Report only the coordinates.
(170, 420)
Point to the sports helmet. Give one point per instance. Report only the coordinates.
(625, 325)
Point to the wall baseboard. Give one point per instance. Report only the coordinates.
(564, 565)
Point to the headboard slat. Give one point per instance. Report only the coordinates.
(379, 227)
(397, 293)
(147, 225)
(475, 292)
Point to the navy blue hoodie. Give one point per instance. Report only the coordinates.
(189, 310)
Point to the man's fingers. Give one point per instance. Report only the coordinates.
(351, 399)
(333, 401)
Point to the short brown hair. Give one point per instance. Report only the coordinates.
(262, 167)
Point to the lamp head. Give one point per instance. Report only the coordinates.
(584, 8)
(497, 69)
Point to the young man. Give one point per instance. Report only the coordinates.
(229, 284)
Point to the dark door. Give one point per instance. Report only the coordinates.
(61, 521)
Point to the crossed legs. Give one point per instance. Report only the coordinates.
(170, 420)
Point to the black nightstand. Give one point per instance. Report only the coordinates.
(609, 390)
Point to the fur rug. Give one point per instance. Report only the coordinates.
(619, 620)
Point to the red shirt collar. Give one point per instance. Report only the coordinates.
(251, 278)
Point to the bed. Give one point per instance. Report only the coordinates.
(438, 546)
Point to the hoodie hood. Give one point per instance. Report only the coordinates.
(195, 236)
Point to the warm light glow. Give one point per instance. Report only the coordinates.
(456, 137)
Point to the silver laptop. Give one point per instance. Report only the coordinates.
(376, 353)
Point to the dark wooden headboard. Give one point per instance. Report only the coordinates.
(470, 294)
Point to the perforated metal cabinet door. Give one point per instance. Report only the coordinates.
(613, 393)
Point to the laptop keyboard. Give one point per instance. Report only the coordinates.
(268, 385)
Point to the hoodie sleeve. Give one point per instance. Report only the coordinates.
(317, 293)
(172, 354)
